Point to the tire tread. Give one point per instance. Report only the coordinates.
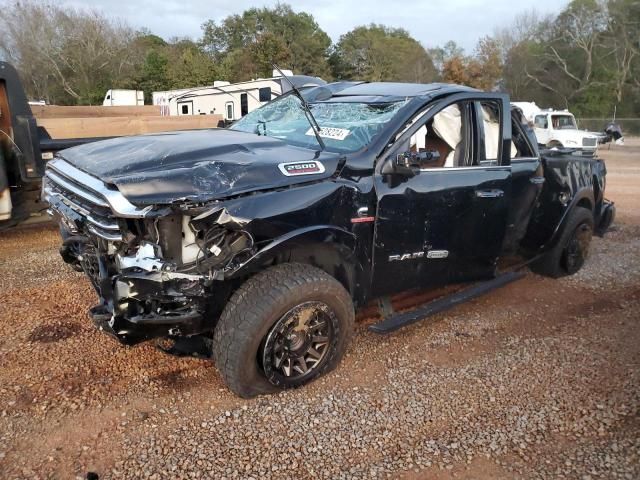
(250, 306)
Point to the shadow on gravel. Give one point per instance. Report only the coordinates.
(53, 333)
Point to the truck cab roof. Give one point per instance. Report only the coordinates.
(393, 89)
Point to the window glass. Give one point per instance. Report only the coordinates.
(264, 94)
(229, 111)
(448, 134)
(490, 116)
(345, 126)
(185, 109)
(541, 121)
(563, 122)
(244, 104)
(520, 147)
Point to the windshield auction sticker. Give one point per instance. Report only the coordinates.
(331, 133)
(293, 169)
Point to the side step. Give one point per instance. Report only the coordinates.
(399, 320)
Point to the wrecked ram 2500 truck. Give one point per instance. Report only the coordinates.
(261, 238)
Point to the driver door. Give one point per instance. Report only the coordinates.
(446, 220)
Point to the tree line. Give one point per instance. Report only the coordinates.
(586, 57)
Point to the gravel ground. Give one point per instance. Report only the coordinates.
(538, 380)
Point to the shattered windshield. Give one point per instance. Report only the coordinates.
(563, 122)
(344, 126)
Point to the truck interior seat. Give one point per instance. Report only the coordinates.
(426, 140)
(434, 142)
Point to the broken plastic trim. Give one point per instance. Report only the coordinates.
(145, 258)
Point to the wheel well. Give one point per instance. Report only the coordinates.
(331, 258)
(596, 190)
(585, 203)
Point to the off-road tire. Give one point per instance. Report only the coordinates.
(555, 262)
(257, 305)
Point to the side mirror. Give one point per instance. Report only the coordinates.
(409, 163)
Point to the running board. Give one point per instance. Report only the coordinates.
(399, 320)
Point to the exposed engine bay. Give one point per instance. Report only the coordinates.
(151, 268)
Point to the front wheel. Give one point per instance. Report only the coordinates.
(571, 251)
(281, 329)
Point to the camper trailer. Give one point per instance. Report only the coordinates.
(162, 99)
(231, 100)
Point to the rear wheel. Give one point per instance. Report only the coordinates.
(571, 251)
(282, 329)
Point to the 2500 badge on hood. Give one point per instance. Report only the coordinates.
(301, 168)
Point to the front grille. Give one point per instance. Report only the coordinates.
(589, 142)
(79, 205)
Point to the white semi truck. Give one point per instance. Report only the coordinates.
(122, 98)
(558, 128)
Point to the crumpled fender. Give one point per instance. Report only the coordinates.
(341, 240)
(585, 193)
(565, 175)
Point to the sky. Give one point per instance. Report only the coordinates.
(432, 23)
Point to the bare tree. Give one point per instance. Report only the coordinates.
(526, 27)
(57, 48)
(566, 64)
(624, 40)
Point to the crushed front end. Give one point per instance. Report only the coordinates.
(154, 274)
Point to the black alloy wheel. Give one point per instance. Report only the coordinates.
(297, 345)
(577, 249)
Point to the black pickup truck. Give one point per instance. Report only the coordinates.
(263, 238)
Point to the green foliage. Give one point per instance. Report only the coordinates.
(189, 66)
(376, 53)
(586, 58)
(249, 43)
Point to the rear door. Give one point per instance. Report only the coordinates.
(527, 182)
(446, 223)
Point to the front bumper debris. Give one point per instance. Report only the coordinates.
(131, 331)
(144, 298)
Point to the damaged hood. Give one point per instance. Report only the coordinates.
(198, 165)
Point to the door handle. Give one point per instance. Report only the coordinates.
(493, 193)
(537, 180)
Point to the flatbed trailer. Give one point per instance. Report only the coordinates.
(24, 150)
(31, 137)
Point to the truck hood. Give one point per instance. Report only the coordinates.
(197, 165)
(573, 134)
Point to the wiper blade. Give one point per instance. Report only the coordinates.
(305, 108)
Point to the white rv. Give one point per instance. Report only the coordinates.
(123, 98)
(558, 128)
(231, 100)
(162, 99)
